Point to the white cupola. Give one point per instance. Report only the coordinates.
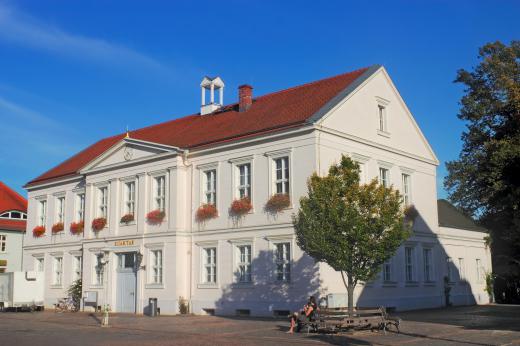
(211, 84)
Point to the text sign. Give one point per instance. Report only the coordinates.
(124, 243)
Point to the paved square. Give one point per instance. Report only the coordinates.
(476, 325)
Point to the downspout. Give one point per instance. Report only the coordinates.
(186, 163)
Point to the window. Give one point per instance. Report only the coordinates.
(58, 270)
(387, 271)
(13, 214)
(77, 267)
(408, 260)
(103, 202)
(160, 192)
(406, 189)
(3, 269)
(382, 118)
(42, 213)
(157, 271)
(427, 262)
(80, 207)
(98, 270)
(244, 180)
(60, 209)
(449, 272)
(282, 175)
(383, 176)
(462, 270)
(210, 187)
(40, 264)
(3, 243)
(283, 261)
(244, 263)
(479, 269)
(210, 265)
(130, 197)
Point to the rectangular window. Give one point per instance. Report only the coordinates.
(160, 192)
(387, 271)
(244, 180)
(427, 262)
(103, 202)
(157, 266)
(80, 207)
(98, 270)
(58, 270)
(3, 243)
(449, 271)
(283, 262)
(383, 177)
(77, 267)
(479, 269)
(282, 175)
(408, 260)
(60, 209)
(244, 263)
(210, 265)
(210, 188)
(382, 118)
(42, 213)
(130, 197)
(406, 189)
(462, 270)
(40, 264)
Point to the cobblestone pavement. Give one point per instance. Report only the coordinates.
(476, 325)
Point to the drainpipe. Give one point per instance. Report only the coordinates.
(187, 164)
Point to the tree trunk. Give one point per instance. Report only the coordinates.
(350, 285)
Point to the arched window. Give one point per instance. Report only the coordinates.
(14, 215)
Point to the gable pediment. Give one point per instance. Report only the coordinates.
(128, 151)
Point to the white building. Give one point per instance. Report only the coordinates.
(257, 147)
(13, 215)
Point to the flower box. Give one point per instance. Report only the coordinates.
(155, 217)
(57, 227)
(77, 227)
(240, 207)
(127, 218)
(277, 203)
(99, 223)
(38, 231)
(206, 212)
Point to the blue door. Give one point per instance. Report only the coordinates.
(126, 282)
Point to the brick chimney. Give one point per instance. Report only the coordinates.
(245, 97)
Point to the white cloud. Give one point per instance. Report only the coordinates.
(15, 27)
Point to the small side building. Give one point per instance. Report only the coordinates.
(13, 219)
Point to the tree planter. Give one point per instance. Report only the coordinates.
(277, 203)
(155, 217)
(77, 227)
(206, 212)
(57, 227)
(240, 207)
(127, 218)
(99, 223)
(38, 231)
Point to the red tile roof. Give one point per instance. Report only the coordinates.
(272, 112)
(11, 200)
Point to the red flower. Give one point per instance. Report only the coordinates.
(277, 203)
(99, 223)
(77, 227)
(206, 212)
(240, 207)
(127, 218)
(155, 217)
(57, 227)
(38, 231)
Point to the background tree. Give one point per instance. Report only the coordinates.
(353, 228)
(485, 180)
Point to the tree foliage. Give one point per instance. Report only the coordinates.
(353, 228)
(485, 180)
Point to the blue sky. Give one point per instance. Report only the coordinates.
(72, 72)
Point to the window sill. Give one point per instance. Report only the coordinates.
(56, 286)
(96, 286)
(389, 284)
(383, 133)
(243, 285)
(133, 223)
(154, 286)
(208, 286)
(411, 284)
(429, 283)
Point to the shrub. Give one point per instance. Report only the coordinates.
(155, 217)
(127, 218)
(74, 292)
(277, 203)
(38, 231)
(57, 227)
(206, 212)
(77, 227)
(99, 223)
(240, 207)
(184, 305)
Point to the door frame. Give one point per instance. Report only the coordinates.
(126, 270)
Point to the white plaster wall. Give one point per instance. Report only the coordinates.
(13, 251)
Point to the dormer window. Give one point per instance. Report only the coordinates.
(382, 117)
(14, 214)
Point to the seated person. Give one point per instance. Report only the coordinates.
(307, 312)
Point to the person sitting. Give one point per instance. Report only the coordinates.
(307, 313)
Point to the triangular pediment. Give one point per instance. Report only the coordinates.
(128, 151)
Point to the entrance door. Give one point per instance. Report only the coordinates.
(126, 282)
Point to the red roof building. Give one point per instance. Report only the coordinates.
(13, 209)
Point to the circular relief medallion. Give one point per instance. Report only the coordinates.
(128, 153)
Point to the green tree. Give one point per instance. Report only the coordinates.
(353, 228)
(485, 180)
(75, 292)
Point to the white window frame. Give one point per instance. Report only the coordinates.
(244, 186)
(57, 273)
(284, 182)
(409, 264)
(449, 269)
(209, 187)
(244, 263)
(98, 271)
(9, 215)
(212, 266)
(39, 264)
(285, 261)
(129, 197)
(103, 201)
(42, 212)
(480, 270)
(79, 214)
(382, 117)
(461, 266)
(159, 192)
(387, 271)
(3, 243)
(77, 266)
(428, 273)
(362, 161)
(406, 181)
(384, 176)
(156, 266)
(60, 208)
